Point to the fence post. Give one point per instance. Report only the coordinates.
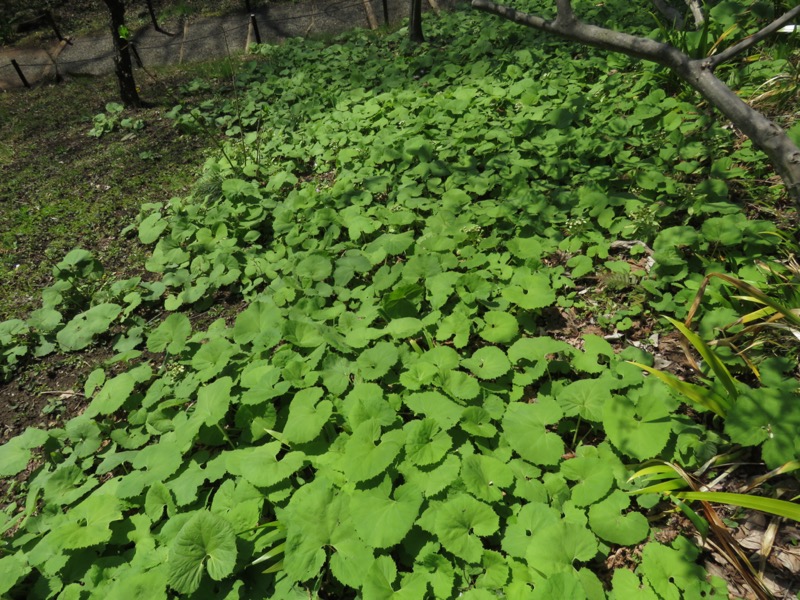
(20, 73)
(54, 26)
(373, 22)
(254, 24)
(386, 12)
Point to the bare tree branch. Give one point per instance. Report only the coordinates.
(714, 61)
(697, 13)
(771, 139)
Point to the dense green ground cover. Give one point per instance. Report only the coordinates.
(396, 413)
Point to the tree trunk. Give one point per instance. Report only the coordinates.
(698, 73)
(415, 22)
(122, 55)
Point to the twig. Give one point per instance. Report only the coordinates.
(714, 61)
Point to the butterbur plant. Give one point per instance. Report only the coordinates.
(394, 403)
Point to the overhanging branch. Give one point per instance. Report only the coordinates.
(574, 29)
(714, 61)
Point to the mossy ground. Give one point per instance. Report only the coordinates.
(61, 189)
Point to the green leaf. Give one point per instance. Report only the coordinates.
(459, 523)
(317, 514)
(81, 330)
(13, 567)
(136, 584)
(702, 397)
(170, 335)
(315, 267)
(112, 395)
(530, 291)
(524, 429)
(16, 453)
(260, 465)
(151, 228)
(532, 517)
(556, 547)
(307, 415)
(368, 454)
(212, 357)
(213, 401)
(205, 543)
(594, 476)
(477, 421)
(259, 323)
(639, 430)
(585, 397)
(499, 327)
(438, 407)
(773, 506)
(348, 560)
(157, 500)
(485, 477)
(608, 521)
(432, 479)
(381, 521)
(44, 319)
(459, 384)
(404, 327)
(88, 524)
(672, 572)
(426, 443)
(626, 584)
(489, 362)
(375, 362)
(594, 347)
(365, 402)
(560, 585)
(716, 364)
(726, 231)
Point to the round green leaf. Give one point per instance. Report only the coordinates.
(315, 267)
(170, 335)
(382, 521)
(524, 429)
(608, 522)
(499, 327)
(489, 362)
(639, 430)
(375, 362)
(585, 397)
(79, 332)
(205, 542)
(307, 416)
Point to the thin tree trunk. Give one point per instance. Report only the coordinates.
(123, 65)
(415, 22)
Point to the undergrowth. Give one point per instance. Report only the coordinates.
(393, 414)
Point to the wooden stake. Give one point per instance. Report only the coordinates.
(183, 41)
(373, 21)
(254, 25)
(20, 73)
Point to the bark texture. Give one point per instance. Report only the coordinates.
(415, 22)
(698, 73)
(123, 65)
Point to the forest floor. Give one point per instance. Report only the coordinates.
(205, 33)
(60, 188)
